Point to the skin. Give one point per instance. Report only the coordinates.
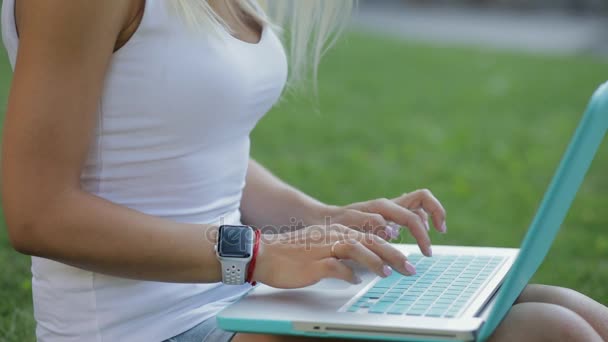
(65, 48)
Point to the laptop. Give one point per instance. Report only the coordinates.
(459, 294)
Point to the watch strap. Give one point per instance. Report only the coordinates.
(233, 272)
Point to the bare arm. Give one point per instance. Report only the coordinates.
(268, 201)
(65, 48)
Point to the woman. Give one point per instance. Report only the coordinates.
(126, 145)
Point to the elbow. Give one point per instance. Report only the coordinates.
(19, 221)
(23, 228)
(21, 237)
(29, 222)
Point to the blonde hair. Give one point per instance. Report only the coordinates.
(312, 26)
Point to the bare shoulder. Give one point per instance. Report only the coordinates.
(67, 20)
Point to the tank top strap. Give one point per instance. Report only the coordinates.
(155, 17)
(9, 30)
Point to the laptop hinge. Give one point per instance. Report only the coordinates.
(375, 331)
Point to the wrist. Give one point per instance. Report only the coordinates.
(322, 214)
(264, 260)
(270, 254)
(252, 264)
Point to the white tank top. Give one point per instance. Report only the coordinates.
(172, 140)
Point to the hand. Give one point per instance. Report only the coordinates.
(410, 210)
(304, 257)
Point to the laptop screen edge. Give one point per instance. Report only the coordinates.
(553, 208)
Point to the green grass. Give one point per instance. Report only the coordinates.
(483, 129)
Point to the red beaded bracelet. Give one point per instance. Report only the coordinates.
(254, 257)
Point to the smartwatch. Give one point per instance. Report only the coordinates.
(234, 250)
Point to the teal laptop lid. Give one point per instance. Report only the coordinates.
(553, 208)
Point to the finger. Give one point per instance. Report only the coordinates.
(366, 222)
(423, 216)
(334, 268)
(426, 200)
(353, 250)
(405, 217)
(388, 253)
(318, 240)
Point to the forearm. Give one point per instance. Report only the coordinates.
(94, 234)
(269, 202)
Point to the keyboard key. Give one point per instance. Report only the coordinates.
(379, 307)
(457, 287)
(397, 310)
(376, 292)
(415, 313)
(407, 304)
(453, 311)
(416, 308)
(435, 313)
(435, 292)
(388, 281)
(385, 300)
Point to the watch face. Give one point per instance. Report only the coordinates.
(235, 241)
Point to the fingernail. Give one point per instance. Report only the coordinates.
(357, 280)
(394, 225)
(391, 232)
(443, 228)
(426, 224)
(429, 251)
(410, 268)
(396, 232)
(387, 270)
(388, 231)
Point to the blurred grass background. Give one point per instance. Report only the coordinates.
(484, 130)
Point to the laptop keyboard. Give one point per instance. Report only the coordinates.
(443, 287)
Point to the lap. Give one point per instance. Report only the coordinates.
(543, 322)
(540, 313)
(525, 322)
(593, 312)
(277, 338)
(207, 331)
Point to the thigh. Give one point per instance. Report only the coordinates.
(242, 337)
(542, 313)
(543, 322)
(593, 312)
(207, 331)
